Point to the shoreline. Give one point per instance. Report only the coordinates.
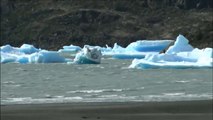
(172, 110)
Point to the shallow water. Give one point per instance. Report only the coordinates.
(110, 81)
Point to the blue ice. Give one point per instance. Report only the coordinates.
(180, 55)
(28, 54)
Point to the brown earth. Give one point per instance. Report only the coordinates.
(51, 24)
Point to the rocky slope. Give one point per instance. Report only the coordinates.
(50, 24)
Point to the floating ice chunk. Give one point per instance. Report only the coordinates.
(181, 55)
(106, 49)
(10, 49)
(207, 52)
(6, 48)
(28, 49)
(28, 54)
(168, 58)
(25, 48)
(71, 49)
(174, 61)
(22, 59)
(181, 45)
(128, 56)
(7, 58)
(109, 52)
(144, 64)
(45, 56)
(132, 55)
(117, 48)
(149, 45)
(88, 56)
(138, 49)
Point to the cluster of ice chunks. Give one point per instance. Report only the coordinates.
(147, 53)
(179, 55)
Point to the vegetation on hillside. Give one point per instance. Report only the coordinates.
(51, 24)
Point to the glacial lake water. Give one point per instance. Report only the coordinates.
(110, 81)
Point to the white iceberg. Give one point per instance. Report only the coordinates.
(88, 55)
(180, 55)
(181, 45)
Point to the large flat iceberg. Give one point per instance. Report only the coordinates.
(138, 49)
(149, 45)
(180, 55)
(70, 50)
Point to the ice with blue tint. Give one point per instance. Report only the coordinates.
(138, 49)
(28, 54)
(149, 45)
(45, 56)
(8, 48)
(7, 57)
(180, 55)
(70, 49)
(25, 48)
(28, 49)
(88, 55)
(181, 45)
(10, 54)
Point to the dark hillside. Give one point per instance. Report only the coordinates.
(50, 24)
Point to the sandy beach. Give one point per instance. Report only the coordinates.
(182, 110)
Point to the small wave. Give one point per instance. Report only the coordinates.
(182, 81)
(11, 83)
(29, 100)
(20, 69)
(108, 98)
(99, 66)
(104, 90)
(85, 91)
(175, 97)
(173, 94)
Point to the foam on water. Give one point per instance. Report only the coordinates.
(104, 90)
(106, 82)
(108, 98)
(29, 100)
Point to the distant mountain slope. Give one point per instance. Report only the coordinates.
(50, 24)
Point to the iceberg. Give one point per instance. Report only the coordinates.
(179, 56)
(28, 54)
(45, 56)
(28, 49)
(70, 49)
(149, 45)
(8, 48)
(12, 54)
(25, 48)
(7, 57)
(138, 49)
(88, 55)
(181, 45)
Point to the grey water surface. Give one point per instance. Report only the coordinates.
(110, 81)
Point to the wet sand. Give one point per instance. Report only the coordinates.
(182, 110)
